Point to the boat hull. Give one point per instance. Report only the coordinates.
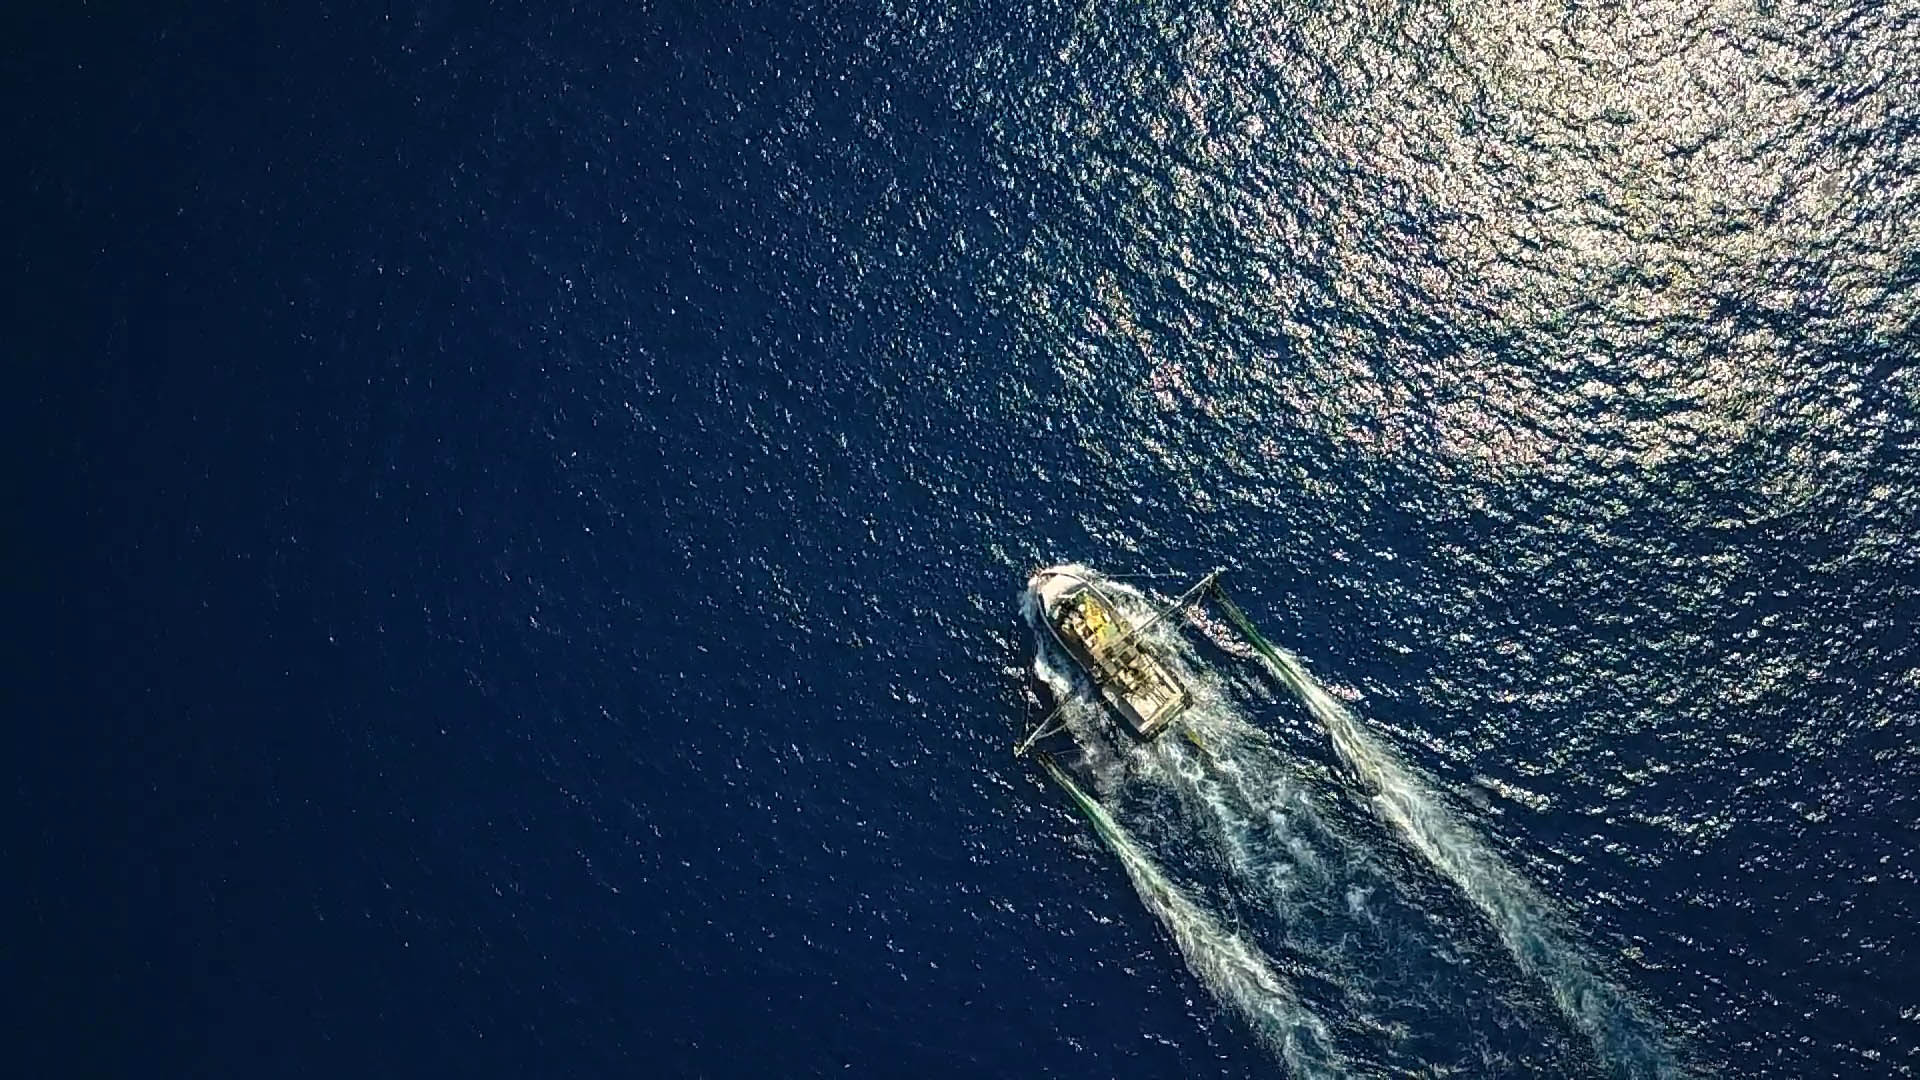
(1136, 683)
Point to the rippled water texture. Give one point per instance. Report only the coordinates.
(541, 499)
(1551, 367)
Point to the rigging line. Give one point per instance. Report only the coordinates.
(1179, 604)
(1051, 724)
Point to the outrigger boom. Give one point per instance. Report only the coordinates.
(1129, 675)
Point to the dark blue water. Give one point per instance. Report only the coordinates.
(520, 516)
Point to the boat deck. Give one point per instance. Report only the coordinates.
(1123, 668)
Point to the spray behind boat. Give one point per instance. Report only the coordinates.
(1139, 687)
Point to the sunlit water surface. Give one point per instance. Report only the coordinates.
(596, 459)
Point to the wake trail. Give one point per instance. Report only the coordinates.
(1236, 972)
(1621, 1036)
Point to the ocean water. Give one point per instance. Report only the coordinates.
(522, 515)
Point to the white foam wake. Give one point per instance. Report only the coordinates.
(1233, 970)
(1623, 1038)
(1264, 833)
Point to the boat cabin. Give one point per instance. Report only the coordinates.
(1127, 672)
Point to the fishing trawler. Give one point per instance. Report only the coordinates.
(1127, 671)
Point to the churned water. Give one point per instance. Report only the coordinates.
(524, 512)
(1278, 844)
